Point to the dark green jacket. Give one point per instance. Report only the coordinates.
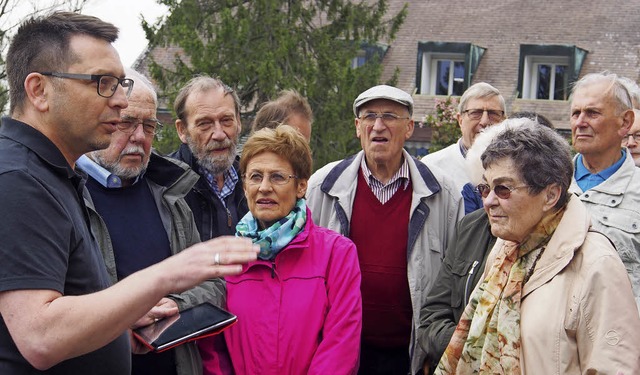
(462, 267)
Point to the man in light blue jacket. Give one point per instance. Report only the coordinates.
(605, 176)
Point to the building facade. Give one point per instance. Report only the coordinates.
(532, 51)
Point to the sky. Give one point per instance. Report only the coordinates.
(125, 14)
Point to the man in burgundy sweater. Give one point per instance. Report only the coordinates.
(400, 214)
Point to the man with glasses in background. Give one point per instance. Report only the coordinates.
(60, 313)
(605, 176)
(143, 217)
(400, 215)
(632, 140)
(480, 106)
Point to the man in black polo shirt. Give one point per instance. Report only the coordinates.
(67, 88)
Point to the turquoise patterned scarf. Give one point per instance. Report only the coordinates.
(277, 236)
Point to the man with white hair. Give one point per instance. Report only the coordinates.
(480, 106)
(632, 140)
(143, 217)
(605, 176)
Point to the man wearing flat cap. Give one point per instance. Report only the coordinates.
(401, 216)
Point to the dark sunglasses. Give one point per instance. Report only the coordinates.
(502, 191)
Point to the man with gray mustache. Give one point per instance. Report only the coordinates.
(144, 218)
(208, 124)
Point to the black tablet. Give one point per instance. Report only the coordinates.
(190, 324)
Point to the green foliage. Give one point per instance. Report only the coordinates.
(444, 125)
(261, 47)
(167, 140)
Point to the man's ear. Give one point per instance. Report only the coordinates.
(410, 128)
(181, 128)
(628, 118)
(37, 89)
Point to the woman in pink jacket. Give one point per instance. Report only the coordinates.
(299, 305)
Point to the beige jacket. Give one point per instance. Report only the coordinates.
(578, 311)
(615, 211)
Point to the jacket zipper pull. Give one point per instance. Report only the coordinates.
(273, 269)
(466, 284)
(473, 267)
(228, 218)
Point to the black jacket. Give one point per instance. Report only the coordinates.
(462, 267)
(212, 218)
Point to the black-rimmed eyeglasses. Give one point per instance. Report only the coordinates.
(107, 84)
(502, 191)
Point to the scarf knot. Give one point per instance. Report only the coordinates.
(487, 338)
(276, 237)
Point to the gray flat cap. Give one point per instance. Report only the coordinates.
(383, 92)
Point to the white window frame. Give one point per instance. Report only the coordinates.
(430, 68)
(530, 72)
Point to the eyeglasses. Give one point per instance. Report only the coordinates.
(387, 118)
(502, 191)
(635, 136)
(476, 114)
(129, 125)
(107, 84)
(275, 178)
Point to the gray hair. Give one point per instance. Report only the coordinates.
(634, 91)
(473, 162)
(616, 88)
(200, 84)
(480, 90)
(541, 155)
(142, 82)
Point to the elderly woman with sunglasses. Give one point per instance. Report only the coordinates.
(555, 297)
(299, 305)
